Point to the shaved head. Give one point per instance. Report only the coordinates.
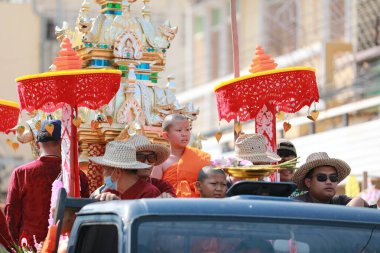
(168, 121)
(209, 170)
(212, 182)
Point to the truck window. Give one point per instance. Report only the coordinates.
(192, 235)
(97, 238)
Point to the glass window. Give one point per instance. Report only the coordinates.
(215, 17)
(97, 238)
(199, 24)
(367, 13)
(252, 236)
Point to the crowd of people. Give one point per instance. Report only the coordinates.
(137, 168)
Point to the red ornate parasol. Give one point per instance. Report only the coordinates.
(9, 112)
(68, 89)
(78, 88)
(288, 89)
(264, 92)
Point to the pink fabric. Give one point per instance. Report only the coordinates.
(28, 200)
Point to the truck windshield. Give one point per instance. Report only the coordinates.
(197, 236)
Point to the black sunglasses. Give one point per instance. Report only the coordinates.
(323, 177)
(151, 158)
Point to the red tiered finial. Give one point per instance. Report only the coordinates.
(262, 62)
(68, 58)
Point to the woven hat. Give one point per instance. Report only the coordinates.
(141, 143)
(252, 147)
(120, 154)
(317, 160)
(286, 147)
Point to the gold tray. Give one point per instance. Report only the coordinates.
(249, 172)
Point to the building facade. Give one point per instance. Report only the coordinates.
(340, 38)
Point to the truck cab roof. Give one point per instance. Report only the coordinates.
(243, 206)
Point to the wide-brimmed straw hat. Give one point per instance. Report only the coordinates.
(142, 143)
(316, 160)
(252, 147)
(120, 154)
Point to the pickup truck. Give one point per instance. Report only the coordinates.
(235, 224)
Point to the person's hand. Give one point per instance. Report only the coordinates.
(106, 196)
(165, 195)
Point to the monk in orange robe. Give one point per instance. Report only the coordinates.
(184, 163)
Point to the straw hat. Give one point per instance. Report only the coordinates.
(141, 143)
(317, 160)
(120, 154)
(252, 147)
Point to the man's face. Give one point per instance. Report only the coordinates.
(214, 186)
(286, 175)
(147, 157)
(179, 133)
(320, 184)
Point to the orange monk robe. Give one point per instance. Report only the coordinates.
(183, 174)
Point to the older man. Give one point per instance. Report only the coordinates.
(120, 170)
(152, 155)
(320, 176)
(287, 152)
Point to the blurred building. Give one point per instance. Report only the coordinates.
(340, 38)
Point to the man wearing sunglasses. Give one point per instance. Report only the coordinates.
(152, 154)
(320, 176)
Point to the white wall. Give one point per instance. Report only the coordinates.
(358, 145)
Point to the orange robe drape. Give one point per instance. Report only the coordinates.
(183, 174)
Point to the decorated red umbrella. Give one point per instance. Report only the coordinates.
(9, 112)
(265, 93)
(68, 88)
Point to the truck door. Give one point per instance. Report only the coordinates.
(97, 233)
